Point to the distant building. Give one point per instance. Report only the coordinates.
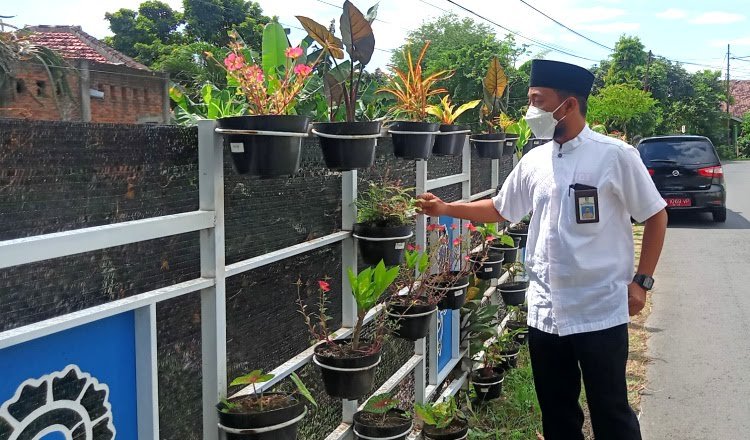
(740, 91)
(106, 85)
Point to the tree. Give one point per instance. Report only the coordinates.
(625, 62)
(620, 105)
(463, 45)
(744, 139)
(210, 21)
(135, 31)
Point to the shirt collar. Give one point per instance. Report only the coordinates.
(574, 143)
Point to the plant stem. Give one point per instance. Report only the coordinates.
(357, 330)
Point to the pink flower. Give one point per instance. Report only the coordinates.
(302, 70)
(254, 73)
(324, 286)
(471, 227)
(234, 62)
(466, 257)
(454, 227)
(410, 247)
(456, 242)
(490, 238)
(432, 227)
(293, 52)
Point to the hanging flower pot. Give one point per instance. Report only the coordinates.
(520, 233)
(385, 243)
(489, 146)
(488, 383)
(513, 293)
(414, 140)
(413, 320)
(278, 421)
(348, 377)
(508, 253)
(394, 425)
(348, 145)
(487, 267)
(457, 430)
(509, 145)
(508, 356)
(265, 145)
(521, 329)
(453, 290)
(451, 140)
(533, 143)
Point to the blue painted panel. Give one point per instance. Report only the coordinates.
(93, 364)
(445, 337)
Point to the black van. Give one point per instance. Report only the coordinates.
(687, 172)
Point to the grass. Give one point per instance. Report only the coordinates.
(516, 415)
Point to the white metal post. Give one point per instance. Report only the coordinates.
(466, 169)
(146, 372)
(213, 299)
(421, 377)
(348, 261)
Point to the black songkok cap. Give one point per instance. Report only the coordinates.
(561, 76)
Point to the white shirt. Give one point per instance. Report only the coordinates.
(579, 273)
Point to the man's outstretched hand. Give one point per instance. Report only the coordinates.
(430, 204)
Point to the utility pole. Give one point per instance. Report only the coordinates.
(648, 66)
(729, 114)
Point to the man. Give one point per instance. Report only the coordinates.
(582, 188)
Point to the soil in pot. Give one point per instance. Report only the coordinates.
(385, 243)
(414, 140)
(457, 430)
(489, 146)
(487, 267)
(348, 154)
(488, 385)
(391, 425)
(265, 156)
(413, 320)
(245, 413)
(354, 372)
(450, 144)
(453, 288)
(522, 336)
(513, 293)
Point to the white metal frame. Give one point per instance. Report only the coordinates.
(209, 221)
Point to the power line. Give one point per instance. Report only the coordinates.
(303, 30)
(566, 27)
(377, 19)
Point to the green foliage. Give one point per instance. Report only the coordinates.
(620, 104)
(252, 378)
(418, 260)
(214, 104)
(386, 204)
(479, 323)
(522, 129)
(302, 389)
(370, 284)
(381, 404)
(439, 415)
(274, 44)
(625, 62)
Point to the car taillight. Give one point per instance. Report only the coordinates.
(651, 171)
(713, 172)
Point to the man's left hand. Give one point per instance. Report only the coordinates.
(636, 299)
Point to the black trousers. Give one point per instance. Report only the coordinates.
(558, 363)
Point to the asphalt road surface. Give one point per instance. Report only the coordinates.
(699, 378)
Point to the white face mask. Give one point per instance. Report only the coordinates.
(542, 123)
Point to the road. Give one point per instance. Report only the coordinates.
(699, 379)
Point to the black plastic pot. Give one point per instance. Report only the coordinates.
(352, 377)
(509, 145)
(533, 143)
(509, 254)
(521, 337)
(520, 237)
(370, 431)
(509, 357)
(488, 387)
(455, 292)
(458, 430)
(348, 154)
(513, 293)
(417, 145)
(489, 268)
(413, 321)
(489, 146)
(265, 156)
(262, 420)
(450, 144)
(382, 243)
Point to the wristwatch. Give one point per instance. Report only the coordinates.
(645, 281)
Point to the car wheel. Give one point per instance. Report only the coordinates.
(720, 215)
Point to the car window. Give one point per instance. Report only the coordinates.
(681, 151)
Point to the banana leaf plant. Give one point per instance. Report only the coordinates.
(343, 83)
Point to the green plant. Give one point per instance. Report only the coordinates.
(439, 415)
(359, 40)
(515, 268)
(522, 129)
(386, 203)
(492, 235)
(367, 288)
(257, 376)
(494, 83)
(478, 324)
(446, 111)
(412, 89)
(381, 404)
(214, 104)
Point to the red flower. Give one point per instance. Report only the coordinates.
(432, 227)
(490, 238)
(254, 73)
(293, 52)
(456, 242)
(410, 247)
(324, 286)
(471, 227)
(234, 62)
(302, 70)
(454, 227)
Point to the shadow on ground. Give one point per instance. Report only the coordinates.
(703, 220)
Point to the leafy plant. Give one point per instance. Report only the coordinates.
(494, 83)
(214, 104)
(367, 288)
(492, 235)
(257, 376)
(381, 404)
(359, 41)
(447, 113)
(386, 203)
(478, 324)
(522, 129)
(440, 415)
(412, 89)
(515, 268)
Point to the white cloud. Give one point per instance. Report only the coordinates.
(742, 41)
(672, 14)
(617, 27)
(717, 17)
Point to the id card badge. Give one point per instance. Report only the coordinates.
(586, 203)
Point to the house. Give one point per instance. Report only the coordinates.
(105, 85)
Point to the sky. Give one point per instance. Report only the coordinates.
(691, 31)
